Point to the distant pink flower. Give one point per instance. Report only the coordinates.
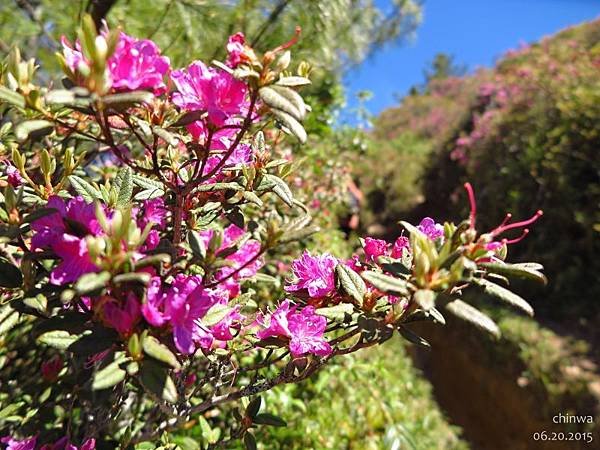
(315, 274)
(431, 229)
(24, 444)
(374, 248)
(304, 328)
(13, 176)
(401, 244)
(236, 49)
(137, 64)
(200, 88)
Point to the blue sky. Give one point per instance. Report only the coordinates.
(476, 32)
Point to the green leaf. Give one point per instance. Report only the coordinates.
(385, 283)
(516, 271)
(299, 234)
(249, 441)
(437, 316)
(215, 315)
(337, 312)
(39, 302)
(38, 214)
(393, 266)
(219, 187)
(278, 99)
(165, 136)
(294, 98)
(350, 283)
(141, 278)
(127, 99)
(152, 347)
(59, 96)
(196, 244)
(425, 298)
(91, 282)
(93, 340)
(59, 339)
(412, 337)
(33, 129)
(123, 185)
(253, 407)
(156, 380)
(108, 376)
(279, 188)
(291, 124)
(293, 81)
(85, 189)
(12, 97)
(9, 321)
(252, 198)
(269, 419)
(10, 275)
(505, 295)
(472, 315)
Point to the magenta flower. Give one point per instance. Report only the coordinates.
(245, 262)
(431, 229)
(236, 50)
(137, 64)
(314, 274)
(64, 232)
(201, 88)
(181, 305)
(24, 444)
(276, 324)
(241, 156)
(402, 244)
(13, 176)
(122, 318)
(304, 328)
(64, 444)
(374, 248)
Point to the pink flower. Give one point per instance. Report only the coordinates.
(75, 260)
(13, 176)
(307, 329)
(237, 52)
(153, 211)
(314, 274)
(64, 232)
(64, 444)
(304, 328)
(24, 444)
(402, 244)
(201, 88)
(431, 229)
(181, 304)
(245, 262)
(122, 318)
(137, 64)
(374, 248)
(276, 324)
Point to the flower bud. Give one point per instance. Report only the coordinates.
(51, 369)
(101, 47)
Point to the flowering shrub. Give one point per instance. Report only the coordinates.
(137, 206)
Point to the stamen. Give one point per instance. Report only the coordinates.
(473, 212)
(523, 223)
(289, 43)
(519, 239)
